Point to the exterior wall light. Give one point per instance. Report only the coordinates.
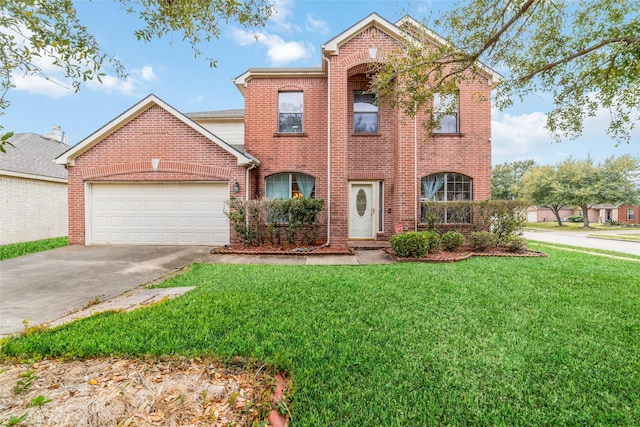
(236, 187)
(373, 52)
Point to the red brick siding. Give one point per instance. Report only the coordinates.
(622, 214)
(125, 155)
(387, 156)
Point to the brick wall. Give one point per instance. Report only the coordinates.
(31, 209)
(386, 156)
(125, 156)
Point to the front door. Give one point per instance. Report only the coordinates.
(361, 211)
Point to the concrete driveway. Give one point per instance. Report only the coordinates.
(44, 286)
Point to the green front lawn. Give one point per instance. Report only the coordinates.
(13, 250)
(572, 226)
(634, 237)
(486, 341)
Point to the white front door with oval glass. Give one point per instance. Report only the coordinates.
(362, 212)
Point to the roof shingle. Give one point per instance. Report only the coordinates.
(33, 154)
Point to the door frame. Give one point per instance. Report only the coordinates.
(375, 203)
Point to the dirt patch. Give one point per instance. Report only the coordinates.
(132, 392)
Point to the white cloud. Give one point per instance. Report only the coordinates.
(53, 87)
(316, 25)
(518, 136)
(134, 85)
(147, 74)
(279, 21)
(279, 51)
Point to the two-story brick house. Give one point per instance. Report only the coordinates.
(313, 132)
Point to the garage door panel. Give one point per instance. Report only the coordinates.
(168, 214)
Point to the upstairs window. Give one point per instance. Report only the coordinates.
(445, 110)
(365, 112)
(290, 112)
(290, 185)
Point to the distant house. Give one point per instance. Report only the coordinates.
(33, 189)
(543, 214)
(624, 214)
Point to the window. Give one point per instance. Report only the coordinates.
(446, 187)
(290, 185)
(365, 112)
(290, 112)
(445, 109)
(631, 215)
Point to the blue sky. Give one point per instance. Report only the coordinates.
(167, 68)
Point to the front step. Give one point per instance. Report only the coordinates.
(368, 244)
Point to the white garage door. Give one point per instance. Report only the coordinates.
(158, 214)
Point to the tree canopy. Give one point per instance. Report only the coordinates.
(585, 54)
(34, 34)
(506, 179)
(584, 183)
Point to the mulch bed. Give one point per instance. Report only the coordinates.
(282, 250)
(463, 253)
(466, 252)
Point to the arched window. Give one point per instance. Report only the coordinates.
(290, 185)
(445, 186)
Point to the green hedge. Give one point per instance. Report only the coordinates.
(276, 222)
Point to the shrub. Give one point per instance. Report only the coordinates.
(483, 240)
(452, 240)
(279, 221)
(434, 240)
(411, 244)
(515, 244)
(575, 218)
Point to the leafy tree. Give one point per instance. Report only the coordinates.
(585, 54)
(35, 34)
(541, 187)
(506, 179)
(585, 184)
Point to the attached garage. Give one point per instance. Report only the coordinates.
(155, 213)
(152, 176)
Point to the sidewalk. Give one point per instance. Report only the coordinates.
(361, 257)
(583, 240)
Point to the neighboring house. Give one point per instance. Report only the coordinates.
(544, 214)
(624, 214)
(629, 214)
(33, 190)
(154, 175)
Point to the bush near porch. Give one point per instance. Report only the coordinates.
(276, 222)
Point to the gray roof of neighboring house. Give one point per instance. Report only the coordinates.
(33, 154)
(217, 114)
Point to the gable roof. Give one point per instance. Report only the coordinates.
(217, 114)
(32, 156)
(332, 46)
(68, 157)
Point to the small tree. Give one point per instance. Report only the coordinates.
(506, 179)
(540, 187)
(585, 184)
